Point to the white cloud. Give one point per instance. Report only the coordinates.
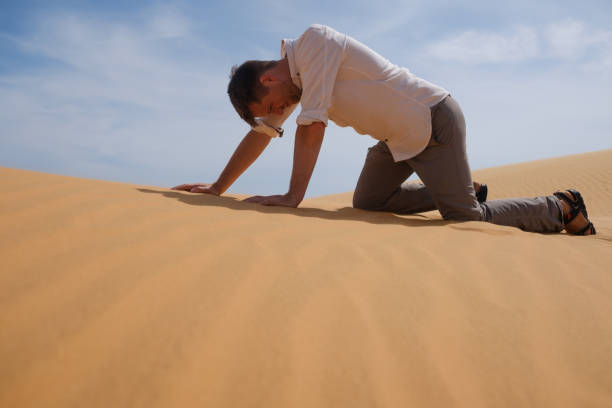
(488, 47)
(571, 39)
(568, 40)
(574, 40)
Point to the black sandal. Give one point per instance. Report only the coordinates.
(577, 206)
(481, 195)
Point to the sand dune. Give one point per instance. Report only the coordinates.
(117, 295)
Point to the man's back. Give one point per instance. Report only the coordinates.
(347, 82)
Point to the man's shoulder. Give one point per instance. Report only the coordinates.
(318, 30)
(317, 27)
(312, 31)
(318, 33)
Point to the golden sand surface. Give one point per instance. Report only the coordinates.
(118, 295)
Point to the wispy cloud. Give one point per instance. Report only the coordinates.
(112, 89)
(564, 40)
(488, 47)
(574, 40)
(112, 60)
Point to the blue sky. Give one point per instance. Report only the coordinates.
(135, 91)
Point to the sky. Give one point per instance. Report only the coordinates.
(136, 91)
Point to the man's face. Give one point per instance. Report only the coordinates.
(281, 95)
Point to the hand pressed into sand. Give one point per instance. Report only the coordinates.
(284, 200)
(198, 188)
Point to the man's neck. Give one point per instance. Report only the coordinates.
(283, 68)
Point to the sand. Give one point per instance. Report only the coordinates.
(118, 295)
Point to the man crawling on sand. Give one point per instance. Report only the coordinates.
(419, 127)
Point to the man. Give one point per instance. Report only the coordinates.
(420, 128)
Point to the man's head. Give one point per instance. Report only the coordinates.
(258, 88)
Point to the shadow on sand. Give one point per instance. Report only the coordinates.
(346, 213)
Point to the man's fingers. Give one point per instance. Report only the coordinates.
(254, 199)
(185, 187)
(193, 187)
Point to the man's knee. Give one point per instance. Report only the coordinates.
(363, 202)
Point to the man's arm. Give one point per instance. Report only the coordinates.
(245, 154)
(308, 140)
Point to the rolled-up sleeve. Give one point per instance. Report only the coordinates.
(318, 54)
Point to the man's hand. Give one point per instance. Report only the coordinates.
(284, 200)
(198, 188)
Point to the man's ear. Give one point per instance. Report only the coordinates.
(267, 78)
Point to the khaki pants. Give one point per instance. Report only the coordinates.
(447, 182)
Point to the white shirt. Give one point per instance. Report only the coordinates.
(345, 81)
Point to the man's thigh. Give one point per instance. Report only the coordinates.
(444, 167)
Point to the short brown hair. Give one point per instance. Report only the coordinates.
(244, 87)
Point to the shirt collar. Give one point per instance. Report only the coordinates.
(287, 50)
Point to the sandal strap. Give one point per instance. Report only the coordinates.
(575, 207)
(588, 227)
(578, 198)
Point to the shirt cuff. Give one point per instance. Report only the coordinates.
(308, 117)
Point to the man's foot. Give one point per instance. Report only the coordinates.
(481, 191)
(575, 216)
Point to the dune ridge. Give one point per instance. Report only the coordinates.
(120, 295)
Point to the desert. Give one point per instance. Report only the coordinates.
(121, 295)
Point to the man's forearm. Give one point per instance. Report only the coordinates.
(308, 140)
(245, 154)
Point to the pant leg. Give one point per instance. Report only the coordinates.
(444, 169)
(539, 214)
(380, 187)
